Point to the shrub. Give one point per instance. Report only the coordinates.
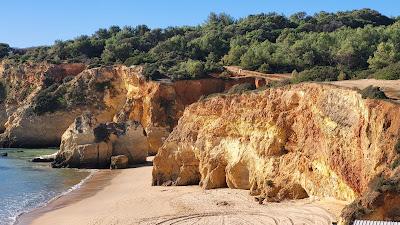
(391, 72)
(342, 76)
(318, 73)
(48, 101)
(363, 74)
(240, 88)
(280, 83)
(373, 92)
(4, 50)
(264, 68)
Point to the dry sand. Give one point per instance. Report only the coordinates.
(390, 87)
(129, 198)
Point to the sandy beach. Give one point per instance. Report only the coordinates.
(126, 197)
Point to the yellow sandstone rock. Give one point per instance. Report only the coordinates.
(288, 143)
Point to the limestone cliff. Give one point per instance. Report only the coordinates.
(20, 86)
(40, 101)
(291, 142)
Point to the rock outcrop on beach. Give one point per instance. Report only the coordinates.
(289, 143)
(119, 162)
(45, 158)
(40, 101)
(89, 144)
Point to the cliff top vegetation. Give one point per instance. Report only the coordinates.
(325, 46)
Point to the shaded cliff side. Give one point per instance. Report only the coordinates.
(40, 101)
(289, 143)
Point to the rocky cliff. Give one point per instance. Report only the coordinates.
(289, 143)
(40, 101)
(21, 85)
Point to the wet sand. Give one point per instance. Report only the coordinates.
(97, 182)
(126, 197)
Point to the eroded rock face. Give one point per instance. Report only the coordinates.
(79, 147)
(42, 100)
(288, 143)
(89, 144)
(19, 124)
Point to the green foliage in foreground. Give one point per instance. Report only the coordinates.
(324, 46)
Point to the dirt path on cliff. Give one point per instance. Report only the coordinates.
(129, 199)
(390, 87)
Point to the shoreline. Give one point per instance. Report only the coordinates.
(127, 197)
(89, 186)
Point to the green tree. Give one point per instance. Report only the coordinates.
(385, 55)
(4, 50)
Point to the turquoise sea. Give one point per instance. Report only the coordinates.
(25, 185)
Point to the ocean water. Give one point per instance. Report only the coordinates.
(25, 185)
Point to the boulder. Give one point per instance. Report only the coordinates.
(119, 162)
(4, 154)
(44, 158)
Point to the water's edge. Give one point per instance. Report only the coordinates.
(65, 193)
(96, 181)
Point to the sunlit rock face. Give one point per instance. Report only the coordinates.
(288, 143)
(21, 84)
(89, 144)
(30, 118)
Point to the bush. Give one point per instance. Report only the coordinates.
(391, 72)
(193, 68)
(151, 71)
(240, 88)
(319, 73)
(279, 83)
(4, 50)
(342, 76)
(48, 101)
(373, 92)
(363, 74)
(264, 68)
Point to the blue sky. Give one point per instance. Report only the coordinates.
(25, 23)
